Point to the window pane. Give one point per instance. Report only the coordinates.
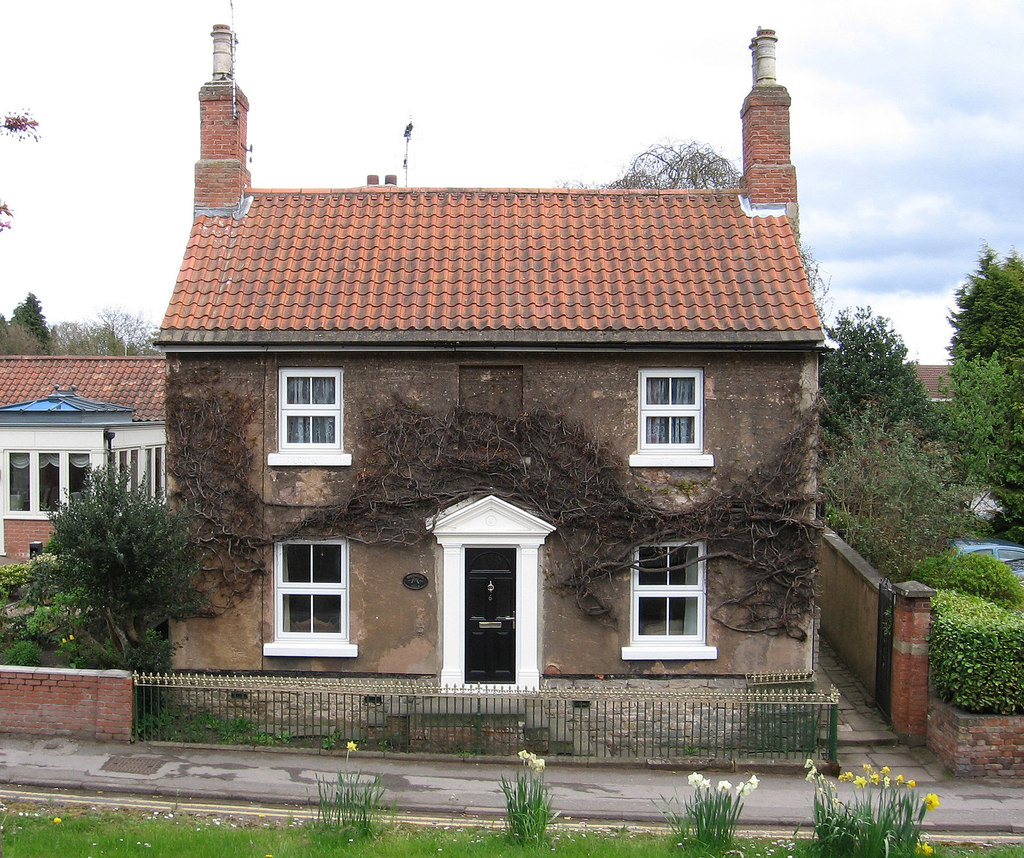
(652, 566)
(657, 430)
(652, 616)
(327, 614)
(684, 571)
(20, 481)
(684, 391)
(297, 614)
(682, 619)
(297, 563)
(49, 480)
(658, 391)
(682, 430)
(323, 430)
(158, 470)
(323, 390)
(298, 390)
(78, 468)
(298, 430)
(327, 563)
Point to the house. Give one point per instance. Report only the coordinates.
(60, 416)
(497, 436)
(935, 378)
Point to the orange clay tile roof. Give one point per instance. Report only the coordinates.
(395, 265)
(137, 382)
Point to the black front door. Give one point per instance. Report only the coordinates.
(491, 615)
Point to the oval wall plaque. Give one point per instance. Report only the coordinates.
(415, 581)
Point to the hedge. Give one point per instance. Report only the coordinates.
(976, 654)
(974, 575)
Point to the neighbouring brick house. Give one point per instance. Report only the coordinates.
(60, 416)
(401, 413)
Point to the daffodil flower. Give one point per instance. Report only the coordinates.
(931, 801)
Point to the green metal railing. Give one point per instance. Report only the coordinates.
(396, 717)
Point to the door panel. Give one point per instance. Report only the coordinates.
(491, 615)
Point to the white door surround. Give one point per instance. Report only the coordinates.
(497, 523)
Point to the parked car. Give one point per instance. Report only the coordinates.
(1010, 553)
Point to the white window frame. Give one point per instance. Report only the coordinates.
(311, 643)
(669, 646)
(309, 453)
(653, 454)
(33, 509)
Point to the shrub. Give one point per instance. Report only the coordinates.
(976, 654)
(23, 653)
(974, 575)
(13, 576)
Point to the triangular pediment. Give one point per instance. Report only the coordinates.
(489, 516)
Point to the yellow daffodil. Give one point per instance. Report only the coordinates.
(900, 780)
(931, 801)
(846, 777)
(911, 783)
(57, 820)
(868, 767)
(875, 778)
(924, 849)
(860, 782)
(351, 746)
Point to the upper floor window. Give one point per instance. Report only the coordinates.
(671, 419)
(310, 418)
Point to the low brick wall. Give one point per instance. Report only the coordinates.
(19, 532)
(976, 746)
(85, 704)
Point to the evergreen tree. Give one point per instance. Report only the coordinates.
(868, 372)
(990, 318)
(29, 315)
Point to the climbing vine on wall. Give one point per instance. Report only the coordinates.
(419, 463)
(210, 459)
(422, 463)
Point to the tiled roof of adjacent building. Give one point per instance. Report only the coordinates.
(932, 376)
(135, 382)
(394, 265)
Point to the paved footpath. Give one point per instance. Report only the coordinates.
(459, 788)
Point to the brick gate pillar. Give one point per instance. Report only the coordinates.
(912, 620)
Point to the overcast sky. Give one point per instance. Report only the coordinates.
(907, 123)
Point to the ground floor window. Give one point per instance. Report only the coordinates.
(311, 586)
(38, 482)
(668, 603)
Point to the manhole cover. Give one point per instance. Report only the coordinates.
(133, 765)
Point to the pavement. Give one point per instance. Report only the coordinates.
(461, 790)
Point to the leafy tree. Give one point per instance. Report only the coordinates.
(20, 126)
(124, 563)
(679, 165)
(29, 315)
(892, 496)
(868, 371)
(990, 318)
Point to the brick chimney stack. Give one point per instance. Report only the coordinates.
(769, 178)
(221, 174)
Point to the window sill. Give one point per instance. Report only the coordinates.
(669, 652)
(672, 460)
(310, 459)
(320, 649)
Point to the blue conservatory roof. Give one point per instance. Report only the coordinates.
(63, 407)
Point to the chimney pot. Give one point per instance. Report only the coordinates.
(391, 179)
(223, 68)
(373, 179)
(763, 48)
